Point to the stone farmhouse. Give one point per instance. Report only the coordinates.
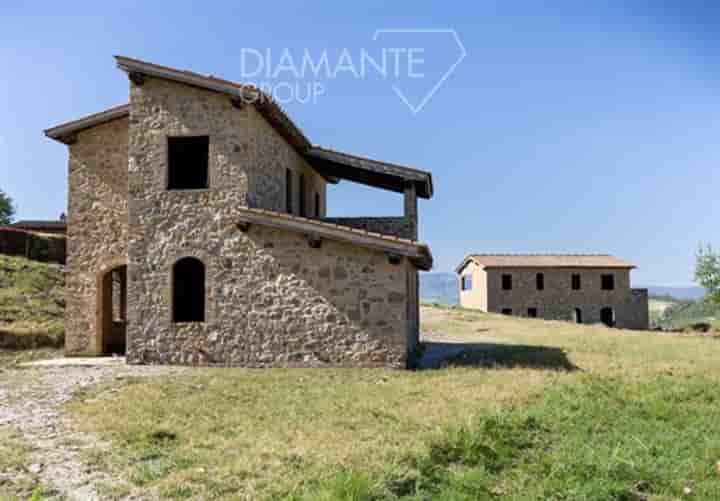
(579, 288)
(197, 234)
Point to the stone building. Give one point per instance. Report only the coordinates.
(579, 288)
(197, 234)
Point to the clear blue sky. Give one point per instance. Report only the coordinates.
(566, 128)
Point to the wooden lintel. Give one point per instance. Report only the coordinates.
(314, 241)
(394, 258)
(136, 77)
(243, 226)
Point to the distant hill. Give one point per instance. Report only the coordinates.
(685, 293)
(443, 288)
(439, 288)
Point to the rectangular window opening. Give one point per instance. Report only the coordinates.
(288, 191)
(507, 311)
(532, 312)
(540, 281)
(301, 193)
(317, 204)
(608, 282)
(466, 282)
(576, 284)
(507, 282)
(187, 161)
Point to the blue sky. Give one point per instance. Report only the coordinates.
(570, 128)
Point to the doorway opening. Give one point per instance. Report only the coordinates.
(607, 316)
(112, 311)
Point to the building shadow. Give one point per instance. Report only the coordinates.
(443, 355)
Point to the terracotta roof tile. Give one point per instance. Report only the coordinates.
(546, 261)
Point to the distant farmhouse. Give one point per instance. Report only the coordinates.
(198, 234)
(579, 288)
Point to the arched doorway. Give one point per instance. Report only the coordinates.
(607, 316)
(112, 311)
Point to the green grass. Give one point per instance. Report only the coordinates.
(16, 483)
(540, 410)
(598, 439)
(31, 301)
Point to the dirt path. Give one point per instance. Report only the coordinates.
(30, 402)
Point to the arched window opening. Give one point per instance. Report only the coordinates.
(578, 316)
(607, 316)
(188, 291)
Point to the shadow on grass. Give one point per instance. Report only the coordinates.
(441, 355)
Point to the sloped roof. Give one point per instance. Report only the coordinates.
(418, 253)
(545, 261)
(368, 171)
(331, 164)
(63, 131)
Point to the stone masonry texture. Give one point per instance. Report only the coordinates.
(558, 300)
(271, 299)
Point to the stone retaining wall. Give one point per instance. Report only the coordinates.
(31, 245)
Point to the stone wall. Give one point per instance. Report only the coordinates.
(398, 226)
(270, 299)
(47, 248)
(558, 300)
(97, 225)
(273, 301)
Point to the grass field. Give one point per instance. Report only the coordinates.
(31, 303)
(529, 410)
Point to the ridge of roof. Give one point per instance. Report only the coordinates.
(544, 260)
(251, 94)
(418, 252)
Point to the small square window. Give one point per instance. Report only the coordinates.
(532, 312)
(608, 282)
(576, 284)
(507, 282)
(507, 311)
(188, 162)
(466, 282)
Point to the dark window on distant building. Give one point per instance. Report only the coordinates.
(466, 282)
(317, 204)
(507, 311)
(607, 316)
(578, 316)
(188, 162)
(301, 196)
(576, 285)
(188, 290)
(507, 282)
(532, 312)
(608, 282)
(288, 191)
(540, 281)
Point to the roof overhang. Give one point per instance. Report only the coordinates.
(247, 94)
(416, 252)
(65, 133)
(332, 165)
(393, 177)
